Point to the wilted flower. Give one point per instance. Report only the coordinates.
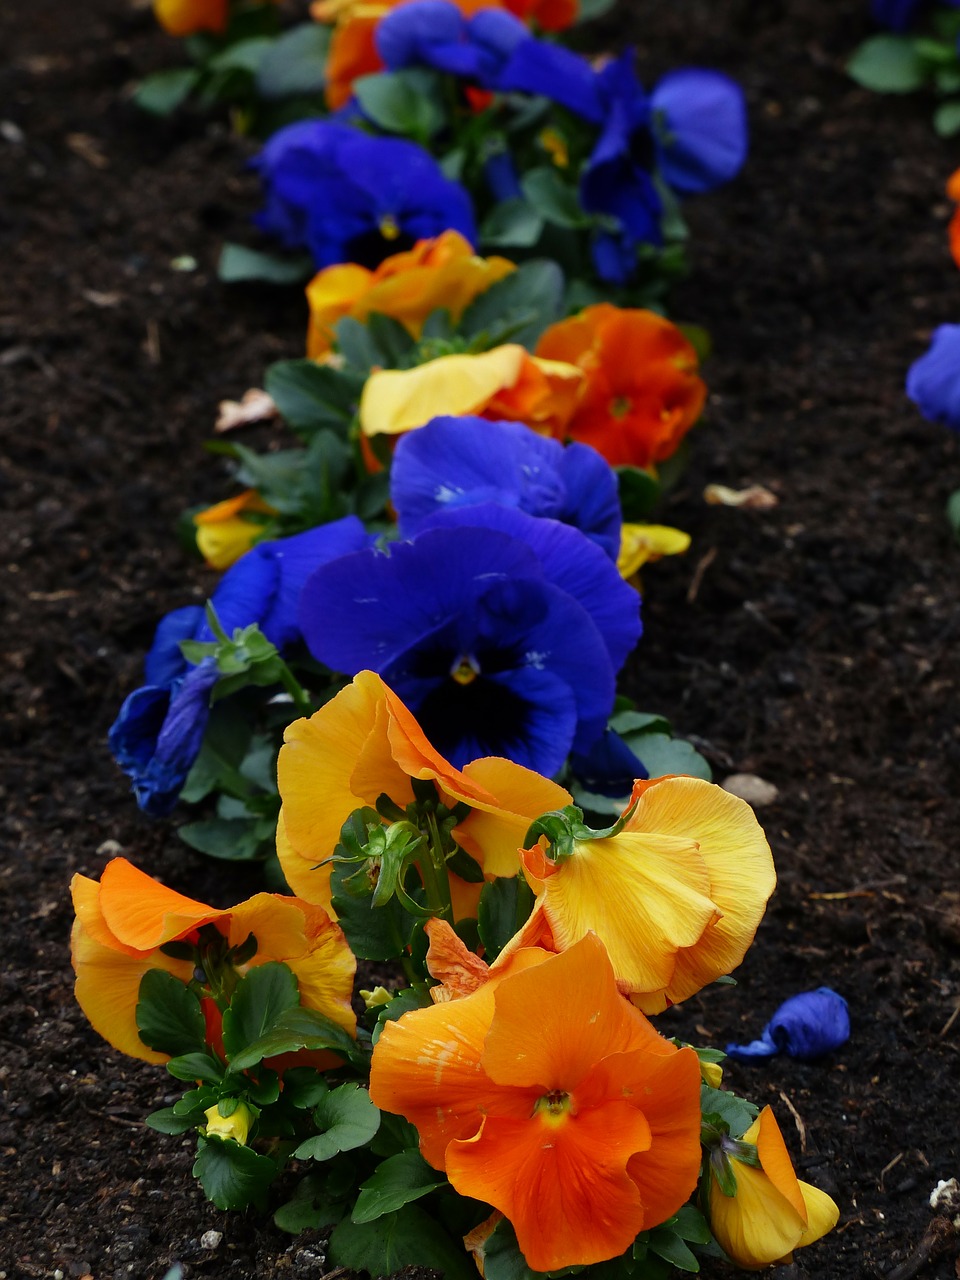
(159, 729)
(187, 17)
(124, 923)
(642, 391)
(545, 1095)
(364, 743)
(502, 632)
(675, 896)
(350, 197)
(933, 381)
(805, 1027)
(504, 383)
(458, 462)
(442, 272)
(766, 1213)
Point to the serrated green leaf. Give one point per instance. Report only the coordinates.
(672, 1249)
(233, 1176)
(348, 1119)
(737, 1113)
(312, 397)
(260, 998)
(196, 1066)
(169, 1017)
(690, 1224)
(312, 1206)
(298, 1028)
(238, 263)
(408, 1237)
(398, 1181)
(166, 1120)
(888, 64)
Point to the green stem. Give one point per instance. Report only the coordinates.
(433, 870)
(301, 698)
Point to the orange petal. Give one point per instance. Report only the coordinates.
(454, 966)
(144, 914)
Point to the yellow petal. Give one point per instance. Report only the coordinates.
(398, 400)
(493, 834)
(640, 543)
(822, 1213)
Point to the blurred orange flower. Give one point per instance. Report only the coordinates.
(225, 531)
(186, 17)
(123, 922)
(364, 743)
(676, 896)
(642, 391)
(442, 272)
(544, 1094)
(953, 191)
(506, 383)
(772, 1212)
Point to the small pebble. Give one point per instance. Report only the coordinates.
(110, 848)
(210, 1239)
(756, 791)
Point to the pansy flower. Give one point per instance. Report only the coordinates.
(187, 17)
(771, 1213)
(350, 197)
(933, 380)
(124, 923)
(699, 123)
(502, 632)
(364, 743)
(443, 272)
(228, 529)
(459, 462)
(676, 895)
(503, 383)
(437, 34)
(805, 1027)
(642, 391)
(545, 1095)
(159, 729)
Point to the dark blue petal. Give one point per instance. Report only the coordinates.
(804, 1027)
(895, 14)
(618, 187)
(419, 33)
(614, 255)
(700, 128)
(165, 663)
(500, 175)
(609, 768)
(933, 381)
(553, 72)
(593, 498)
(133, 735)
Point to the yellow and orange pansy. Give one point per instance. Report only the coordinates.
(187, 17)
(228, 529)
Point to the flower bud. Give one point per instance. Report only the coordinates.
(235, 1126)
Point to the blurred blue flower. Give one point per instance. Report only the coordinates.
(350, 197)
(898, 14)
(459, 462)
(804, 1027)
(434, 33)
(501, 631)
(933, 381)
(159, 729)
(699, 129)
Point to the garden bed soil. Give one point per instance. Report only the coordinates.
(813, 644)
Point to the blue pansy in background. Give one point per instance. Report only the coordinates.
(898, 14)
(699, 122)
(159, 729)
(805, 1027)
(350, 197)
(459, 462)
(434, 33)
(484, 625)
(933, 381)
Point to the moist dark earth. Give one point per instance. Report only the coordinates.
(813, 644)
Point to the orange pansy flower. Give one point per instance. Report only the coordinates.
(953, 232)
(440, 272)
(123, 922)
(364, 743)
(547, 1096)
(676, 896)
(772, 1213)
(642, 392)
(187, 17)
(225, 532)
(505, 383)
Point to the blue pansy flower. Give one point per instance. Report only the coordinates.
(897, 15)
(350, 197)
(933, 381)
(159, 729)
(483, 625)
(459, 462)
(434, 33)
(699, 129)
(805, 1027)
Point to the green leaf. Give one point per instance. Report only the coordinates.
(661, 754)
(690, 1224)
(312, 1206)
(630, 721)
(513, 222)
(237, 263)
(555, 200)
(947, 79)
(672, 1249)
(164, 91)
(166, 1120)
(348, 1119)
(242, 55)
(888, 64)
(298, 1028)
(519, 307)
(233, 1176)
(502, 1259)
(497, 914)
(407, 1237)
(296, 63)
(953, 513)
(374, 933)
(311, 396)
(590, 9)
(639, 493)
(232, 839)
(397, 1181)
(196, 1066)
(404, 102)
(169, 1017)
(737, 1113)
(260, 998)
(946, 119)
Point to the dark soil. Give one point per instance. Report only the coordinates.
(813, 644)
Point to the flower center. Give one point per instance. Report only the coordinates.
(466, 670)
(389, 227)
(554, 1107)
(620, 406)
